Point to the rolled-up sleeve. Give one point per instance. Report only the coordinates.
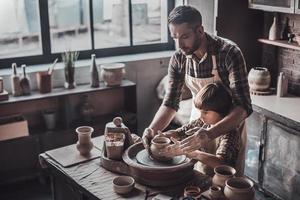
(237, 77)
(175, 82)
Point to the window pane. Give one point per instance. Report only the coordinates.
(20, 33)
(69, 25)
(111, 23)
(149, 19)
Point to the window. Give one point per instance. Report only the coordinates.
(40, 30)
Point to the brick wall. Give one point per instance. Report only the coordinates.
(278, 59)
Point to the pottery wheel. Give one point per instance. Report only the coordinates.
(143, 158)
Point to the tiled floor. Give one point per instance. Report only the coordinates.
(26, 190)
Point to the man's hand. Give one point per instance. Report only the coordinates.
(146, 139)
(195, 141)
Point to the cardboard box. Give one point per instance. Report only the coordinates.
(12, 127)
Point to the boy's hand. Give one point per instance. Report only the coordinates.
(195, 141)
(173, 149)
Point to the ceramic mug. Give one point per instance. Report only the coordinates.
(192, 191)
(239, 188)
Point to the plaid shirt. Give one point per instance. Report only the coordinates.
(231, 68)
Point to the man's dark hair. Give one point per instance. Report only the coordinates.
(214, 97)
(185, 14)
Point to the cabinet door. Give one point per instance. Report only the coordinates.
(286, 6)
(282, 161)
(254, 126)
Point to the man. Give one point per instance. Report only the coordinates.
(200, 60)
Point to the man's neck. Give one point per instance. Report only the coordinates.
(200, 52)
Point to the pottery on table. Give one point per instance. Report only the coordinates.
(114, 144)
(215, 192)
(113, 73)
(192, 191)
(84, 144)
(239, 188)
(158, 144)
(259, 79)
(123, 184)
(222, 173)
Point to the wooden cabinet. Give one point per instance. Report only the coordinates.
(20, 155)
(286, 6)
(273, 154)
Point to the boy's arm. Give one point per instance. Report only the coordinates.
(206, 158)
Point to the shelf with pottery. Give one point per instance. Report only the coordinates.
(61, 91)
(281, 43)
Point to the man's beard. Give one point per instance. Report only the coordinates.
(190, 51)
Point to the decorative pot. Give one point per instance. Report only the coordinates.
(215, 192)
(114, 143)
(84, 144)
(193, 192)
(113, 73)
(158, 143)
(239, 188)
(259, 79)
(222, 173)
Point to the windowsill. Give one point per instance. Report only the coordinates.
(87, 62)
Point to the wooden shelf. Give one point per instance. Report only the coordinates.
(79, 89)
(281, 43)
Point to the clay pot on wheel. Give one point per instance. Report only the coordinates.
(222, 173)
(239, 188)
(259, 79)
(84, 144)
(158, 143)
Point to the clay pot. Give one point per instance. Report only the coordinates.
(158, 143)
(123, 184)
(84, 144)
(239, 188)
(113, 73)
(192, 191)
(222, 173)
(215, 192)
(259, 79)
(114, 143)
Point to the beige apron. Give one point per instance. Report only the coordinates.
(195, 85)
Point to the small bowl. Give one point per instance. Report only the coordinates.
(123, 184)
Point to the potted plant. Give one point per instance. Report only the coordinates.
(69, 58)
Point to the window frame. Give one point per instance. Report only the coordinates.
(48, 57)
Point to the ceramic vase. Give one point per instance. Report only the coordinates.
(15, 81)
(84, 144)
(158, 143)
(215, 192)
(94, 72)
(50, 119)
(273, 32)
(259, 79)
(239, 188)
(112, 74)
(25, 82)
(222, 173)
(69, 58)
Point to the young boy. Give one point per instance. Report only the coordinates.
(214, 103)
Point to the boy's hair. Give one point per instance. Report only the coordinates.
(214, 97)
(185, 14)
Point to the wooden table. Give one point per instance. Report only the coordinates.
(90, 181)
